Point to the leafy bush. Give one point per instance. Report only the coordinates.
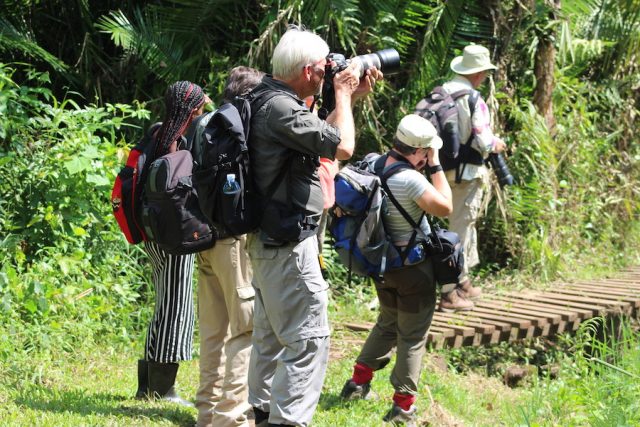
(575, 197)
(66, 271)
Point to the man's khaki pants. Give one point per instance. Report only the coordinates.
(225, 314)
(467, 203)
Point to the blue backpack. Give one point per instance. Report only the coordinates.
(357, 226)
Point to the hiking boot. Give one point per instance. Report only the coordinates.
(162, 378)
(353, 391)
(143, 379)
(469, 291)
(261, 418)
(399, 417)
(454, 301)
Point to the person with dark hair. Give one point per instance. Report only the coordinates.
(170, 335)
(407, 295)
(290, 321)
(225, 305)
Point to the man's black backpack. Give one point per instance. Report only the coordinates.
(439, 107)
(220, 149)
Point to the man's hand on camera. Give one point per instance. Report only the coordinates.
(433, 157)
(498, 145)
(367, 82)
(347, 80)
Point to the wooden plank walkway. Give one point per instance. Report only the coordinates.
(529, 313)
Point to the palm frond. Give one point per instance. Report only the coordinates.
(13, 39)
(453, 25)
(142, 39)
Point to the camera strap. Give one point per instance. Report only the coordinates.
(402, 164)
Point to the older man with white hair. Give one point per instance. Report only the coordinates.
(290, 320)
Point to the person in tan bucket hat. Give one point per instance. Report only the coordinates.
(468, 179)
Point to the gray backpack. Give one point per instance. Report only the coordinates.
(439, 107)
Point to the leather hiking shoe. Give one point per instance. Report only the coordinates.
(455, 301)
(353, 391)
(469, 291)
(399, 417)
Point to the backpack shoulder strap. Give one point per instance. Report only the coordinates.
(474, 96)
(392, 170)
(460, 93)
(194, 136)
(400, 165)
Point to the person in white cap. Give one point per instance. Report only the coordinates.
(407, 296)
(468, 179)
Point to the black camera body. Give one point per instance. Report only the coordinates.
(387, 60)
(500, 168)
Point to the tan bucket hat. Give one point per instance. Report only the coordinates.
(418, 132)
(475, 58)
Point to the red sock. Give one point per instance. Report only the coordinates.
(362, 374)
(404, 401)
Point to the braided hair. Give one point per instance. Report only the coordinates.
(180, 100)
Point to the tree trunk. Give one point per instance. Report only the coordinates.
(544, 69)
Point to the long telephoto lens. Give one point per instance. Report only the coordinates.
(386, 60)
(501, 169)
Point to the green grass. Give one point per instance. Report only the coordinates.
(94, 385)
(91, 383)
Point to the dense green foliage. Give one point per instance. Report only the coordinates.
(65, 270)
(95, 76)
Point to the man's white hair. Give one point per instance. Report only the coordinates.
(296, 49)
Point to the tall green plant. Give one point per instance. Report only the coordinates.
(64, 269)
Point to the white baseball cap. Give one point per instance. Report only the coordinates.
(475, 58)
(418, 132)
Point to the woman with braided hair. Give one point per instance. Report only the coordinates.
(170, 335)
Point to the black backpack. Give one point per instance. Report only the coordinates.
(170, 211)
(220, 149)
(439, 107)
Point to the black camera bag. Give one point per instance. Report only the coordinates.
(447, 256)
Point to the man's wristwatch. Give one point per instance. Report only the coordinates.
(435, 169)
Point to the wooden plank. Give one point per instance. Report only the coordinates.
(513, 321)
(610, 284)
(542, 331)
(606, 287)
(504, 314)
(455, 341)
(435, 340)
(494, 338)
(470, 315)
(480, 327)
(620, 302)
(446, 332)
(568, 296)
(567, 315)
(633, 282)
(609, 293)
(536, 313)
(587, 310)
(459, 330)
(525, 332)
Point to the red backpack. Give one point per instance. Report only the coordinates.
(126, 196)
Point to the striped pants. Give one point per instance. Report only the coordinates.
(170, 334)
